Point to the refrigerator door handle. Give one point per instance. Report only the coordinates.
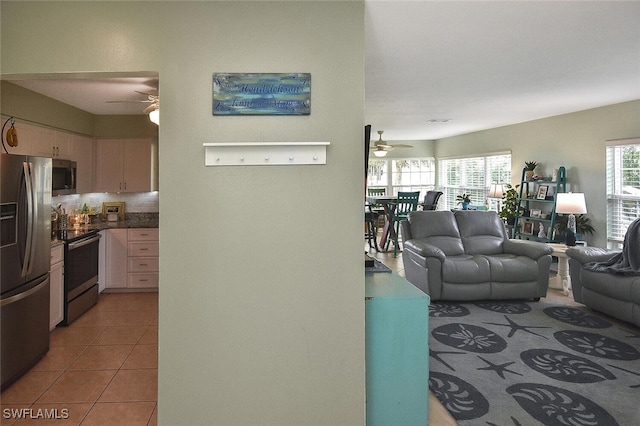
(30, 247)
(24, 295)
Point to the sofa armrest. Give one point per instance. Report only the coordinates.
(424, 249)
(531, 249)
(590, 254)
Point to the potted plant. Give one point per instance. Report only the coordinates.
(583, 226)
(530, 166)
(465, 200)
(509, 209)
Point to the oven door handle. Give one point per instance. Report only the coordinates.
(77, 244)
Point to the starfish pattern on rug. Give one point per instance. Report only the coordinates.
(499, 369)
(515, 327)
(436, 355)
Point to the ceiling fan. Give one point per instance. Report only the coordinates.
(381, 147)
(153, 109)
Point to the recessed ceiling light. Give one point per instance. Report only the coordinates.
(438, 120)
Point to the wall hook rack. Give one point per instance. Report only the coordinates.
(264, 153)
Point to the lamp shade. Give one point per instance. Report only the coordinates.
(571, 203)
(379, 153)
(154, 116)
(496, 190)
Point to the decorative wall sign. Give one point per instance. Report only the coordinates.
(261, 94)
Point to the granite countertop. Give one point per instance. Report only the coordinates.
(132, 220)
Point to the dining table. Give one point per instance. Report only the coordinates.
(388, 204)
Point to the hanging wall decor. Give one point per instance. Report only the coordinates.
(261, 94)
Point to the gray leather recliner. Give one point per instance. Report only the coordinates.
(466, 255)
(615, 295)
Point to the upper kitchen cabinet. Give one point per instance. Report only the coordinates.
(81, 151)
(50, 143)
(125, 165)
(42, 142)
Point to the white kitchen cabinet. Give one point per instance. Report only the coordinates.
(125, 165)
(131, 259)
(56, 287)
(116, 259)
(81, 151)
(142, 262)
(61, 147)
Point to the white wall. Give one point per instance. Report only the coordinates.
(575, 141)
(261, 278)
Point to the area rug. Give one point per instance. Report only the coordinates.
(377, 267)
(533, 363)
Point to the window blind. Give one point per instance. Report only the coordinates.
(402, 174)
(623, 188)
(473, 176)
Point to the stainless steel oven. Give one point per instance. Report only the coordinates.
(80, 274)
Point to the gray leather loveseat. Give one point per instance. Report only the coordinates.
(466, 255)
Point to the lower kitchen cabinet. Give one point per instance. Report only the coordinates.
(56, 285)
(142, 261)
(131, 259)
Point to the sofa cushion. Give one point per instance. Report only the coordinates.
(481, 232)
(438, 228)
(625, 288)
(465, 269)
(512, 268)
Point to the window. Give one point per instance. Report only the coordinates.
(623, 188)
(473, 176)
(402, 175)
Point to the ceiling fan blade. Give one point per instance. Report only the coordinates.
(151, 108)
(129, 102)
(382, 146)
(401, 145)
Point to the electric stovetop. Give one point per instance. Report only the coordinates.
(72, 234)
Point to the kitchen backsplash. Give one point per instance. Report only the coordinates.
(138, 202)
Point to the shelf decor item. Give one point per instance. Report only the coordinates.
(530, 166)
(542, 192)
(527, 228)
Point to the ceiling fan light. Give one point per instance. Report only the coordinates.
(379, 153)
(154, 116)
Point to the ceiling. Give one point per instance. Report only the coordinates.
(477, 64)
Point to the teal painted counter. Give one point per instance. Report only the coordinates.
(397, 351)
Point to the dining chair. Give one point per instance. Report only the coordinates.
(431, 200)
(407, 202)
(371, 229)
(378, 209)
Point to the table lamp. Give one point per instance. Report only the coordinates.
(571, 203)
(495, 191)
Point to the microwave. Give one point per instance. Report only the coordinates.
(63, 177)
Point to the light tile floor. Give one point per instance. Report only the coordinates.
(101, 370)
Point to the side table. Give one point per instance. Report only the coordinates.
(563, 280)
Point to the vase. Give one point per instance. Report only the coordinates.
(465, 205)
(528, 175)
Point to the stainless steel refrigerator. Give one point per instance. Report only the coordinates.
(25, 256)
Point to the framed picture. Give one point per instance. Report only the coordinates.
(527, 228)
(113, 207)
(542, 192)
(535, 213)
